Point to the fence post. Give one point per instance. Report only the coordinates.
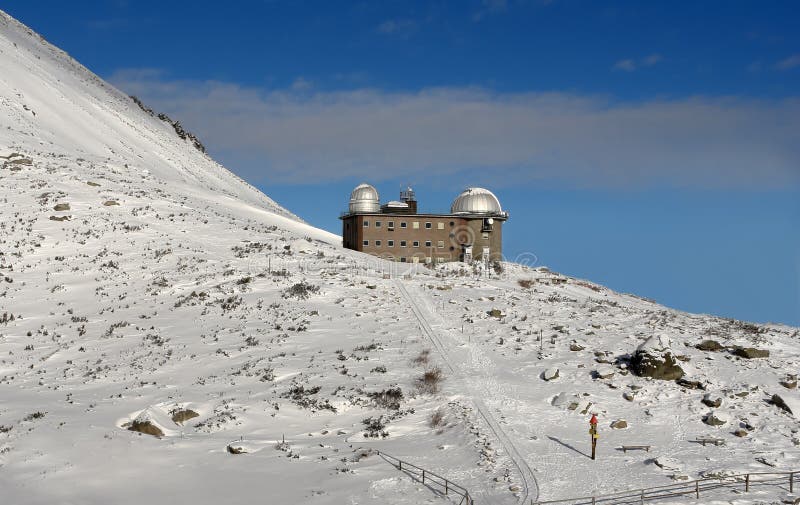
(747, 482)
(791, 482)
(697, 488)
(642, 497)
(593, 502)
(400, 466)
(423, 476)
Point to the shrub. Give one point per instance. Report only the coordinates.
(430, 381)
(423, 358)
(525, 283)
(437, 418)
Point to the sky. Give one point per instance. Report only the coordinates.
(653, 147)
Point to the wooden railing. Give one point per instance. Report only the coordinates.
(690, 488)
(431, 479)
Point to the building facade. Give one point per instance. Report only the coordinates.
(473, 230)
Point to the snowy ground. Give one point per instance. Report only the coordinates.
(168, 284)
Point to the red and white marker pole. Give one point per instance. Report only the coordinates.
(593, 433)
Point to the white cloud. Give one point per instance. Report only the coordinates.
(402, 27)
(626, 65)
(790, 62)
(629, 65)
(651, 60)
(290, 136)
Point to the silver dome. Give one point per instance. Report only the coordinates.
(364, 199)
(476, 201)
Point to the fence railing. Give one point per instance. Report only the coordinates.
(429, 478)
(689, 488)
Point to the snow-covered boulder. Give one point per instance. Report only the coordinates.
(619, 424)
(716, 418)
(550, 374)
(712, 400)
(654, 358)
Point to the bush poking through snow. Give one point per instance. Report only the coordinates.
(301, 291)
(437, 418)
(430, 381)
(146, 427)
(181, 416)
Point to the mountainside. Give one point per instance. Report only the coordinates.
(167, 331)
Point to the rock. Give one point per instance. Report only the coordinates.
(789, 382)
(604, 372)
(716, 418)
(788, 403)
(514, 488)
(236, 450)
(109, 203)
(668, 464)
(146, 427)
(60, 218)
(629, 395)
(575, 346)
(768, 460)
(654, 359)
(750, 352)
(550, 374)
(181, 416)
(689, 384)
(741, 433)
(713, 401)
(560, 399)
(619, 424)
(709, 345)
(61, 207)
(496, 313)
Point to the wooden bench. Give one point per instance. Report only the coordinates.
(626, 448)
(715, 441)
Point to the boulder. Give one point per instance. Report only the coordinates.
(629, 395)
(690, 384)
(619, 424)
(575, 346)
(61, 207)
(741, 433)
(236, 450)
(716, 418)
(496, 313)
(712, 401)
(110, 203)
(654, 359)
(750, 352)
(669, 464)
(788, 403)
(605, 372)
(709, 345)
(560, 399)
(550, 374)
(181, 416)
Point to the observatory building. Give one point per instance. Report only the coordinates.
(473, 230)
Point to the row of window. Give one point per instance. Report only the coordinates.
(403, 243)
(414, 225)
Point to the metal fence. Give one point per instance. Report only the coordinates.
(431, 479)
(693, 488)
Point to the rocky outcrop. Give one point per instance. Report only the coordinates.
(654, 359)
(750, 352)
(709, 345)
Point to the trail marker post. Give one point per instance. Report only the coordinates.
(593, 433)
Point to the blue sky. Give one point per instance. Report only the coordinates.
(650, 146)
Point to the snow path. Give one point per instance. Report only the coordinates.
(530, 487)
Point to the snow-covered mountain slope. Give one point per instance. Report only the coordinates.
(140, 280)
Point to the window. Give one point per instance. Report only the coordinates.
(377, 224)
(402, 260)
(402, 243)
(440, 226)
(377, 243)
(391, 225)
(366, 243)
(428, 243)
(416, 243)
(390, 243)
(428, 226)
(440, 244)
(366, 224)
(415, 225)
(403, 224)
(452, 223)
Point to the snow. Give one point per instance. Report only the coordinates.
(199, 292)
